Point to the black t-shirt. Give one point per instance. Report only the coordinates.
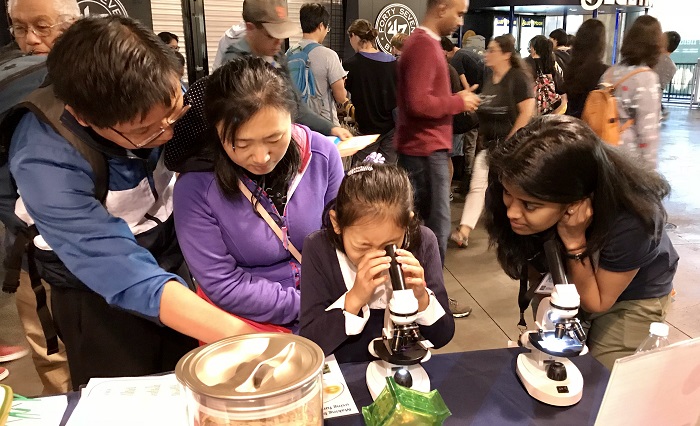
(630, 247)
(499, 103)
(372, 86)
(471, 64)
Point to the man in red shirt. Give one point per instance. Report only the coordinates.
(426, 105)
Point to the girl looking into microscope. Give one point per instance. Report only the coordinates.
(345, 285)
(555, 179)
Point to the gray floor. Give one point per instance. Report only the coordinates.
(473, 276)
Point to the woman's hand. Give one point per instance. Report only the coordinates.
(371, 273)
(572, 227)
(414, 277)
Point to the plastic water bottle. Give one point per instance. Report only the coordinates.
(658, 338)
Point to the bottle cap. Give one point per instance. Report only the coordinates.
(659, 329)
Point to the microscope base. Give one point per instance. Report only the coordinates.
(533, 375)
(378, 371)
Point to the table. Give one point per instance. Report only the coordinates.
(480, 388)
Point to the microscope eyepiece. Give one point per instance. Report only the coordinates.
(395, 272)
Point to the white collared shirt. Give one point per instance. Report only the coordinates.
(355, 324)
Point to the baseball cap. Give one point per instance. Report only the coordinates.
(272, 14)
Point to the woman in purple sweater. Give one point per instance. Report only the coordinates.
(240, 263)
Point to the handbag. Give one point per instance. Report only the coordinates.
(546, 95)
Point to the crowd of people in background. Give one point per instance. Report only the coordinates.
(168, 214)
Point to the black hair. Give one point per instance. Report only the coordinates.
(543, 48)
(570, 40)
(168, 37)
(447, 44)
(234, 93)
(673, 39)
(112, 70)
(559, 159)
(643, 42)
(586, 57)
(378, 191)
(311, 15)
(560, 36)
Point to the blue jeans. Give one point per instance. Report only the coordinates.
(431, 191)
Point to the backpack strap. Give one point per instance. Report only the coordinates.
(628, 75)
(44, 104)
(614, 86)
(309, 47)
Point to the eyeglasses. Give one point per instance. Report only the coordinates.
(19, 31)
(170, 121)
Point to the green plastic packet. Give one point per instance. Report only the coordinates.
(398, 405)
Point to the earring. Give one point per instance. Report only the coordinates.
(571, 211)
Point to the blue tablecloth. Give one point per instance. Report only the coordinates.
(480, 388)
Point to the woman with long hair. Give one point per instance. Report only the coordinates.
(555, 179)
(586, 67)
(239, 224)
(546, 71)
(638, 92)
(371, 82)
(507, 104)
(541, 59)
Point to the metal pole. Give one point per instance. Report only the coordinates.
(566, 14)
(616, 38)
(595, 14)
(511, 20)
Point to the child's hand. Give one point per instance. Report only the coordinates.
(572, 226)
(371, 273)
(414, 277)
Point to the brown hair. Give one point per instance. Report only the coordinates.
(363, 29)
(374, 191)
(507, 44)
(469, 34)
(643, 43)
(398, 40)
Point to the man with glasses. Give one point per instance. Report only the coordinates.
(34, 25)
(111, 257)
(324, 62)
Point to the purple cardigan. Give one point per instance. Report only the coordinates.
(236, 258)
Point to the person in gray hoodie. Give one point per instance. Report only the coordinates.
(469, 60)
(266, 25)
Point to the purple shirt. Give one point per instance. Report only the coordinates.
(234, 255)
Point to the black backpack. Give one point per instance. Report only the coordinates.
(22, 91)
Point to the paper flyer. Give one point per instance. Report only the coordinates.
(337, 400)
(150, 400)
(47, 411)
(352, 145)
